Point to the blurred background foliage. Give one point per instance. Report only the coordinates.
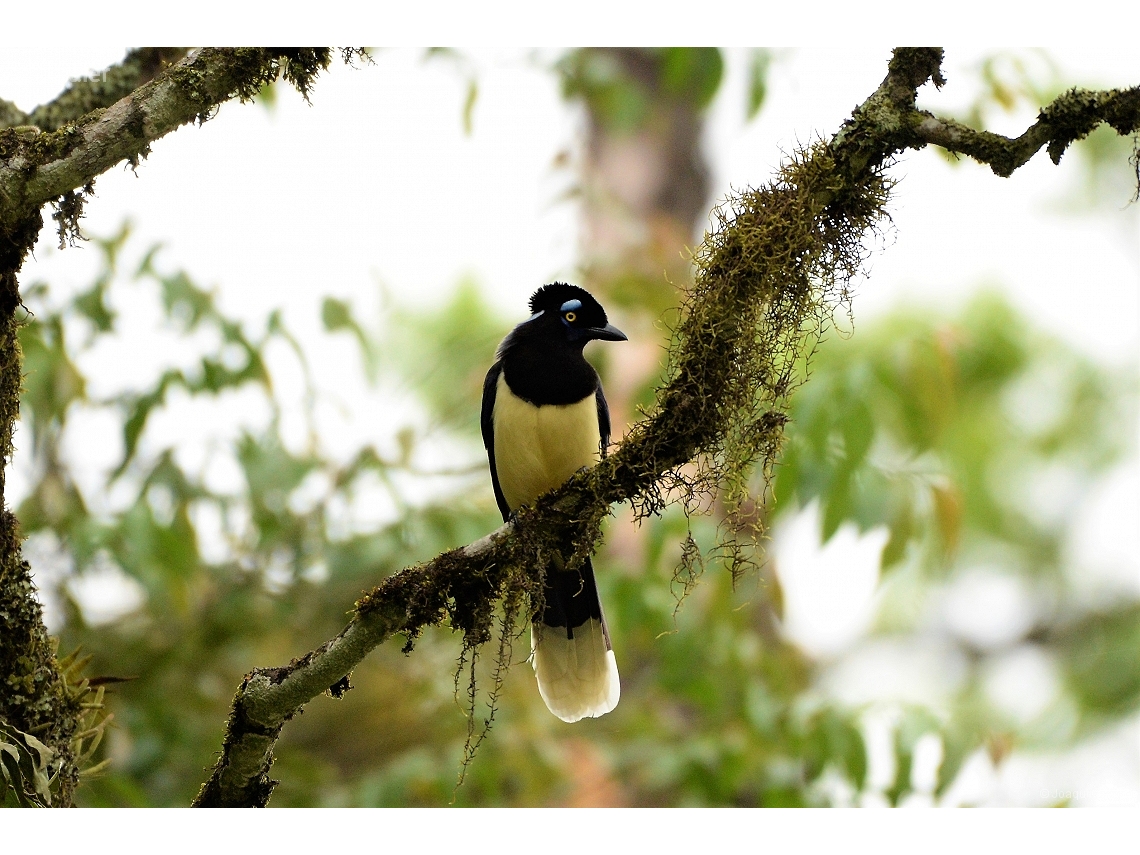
(951, 433)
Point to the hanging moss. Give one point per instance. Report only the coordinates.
(772, 270)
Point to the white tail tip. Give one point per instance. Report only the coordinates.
(577, 677)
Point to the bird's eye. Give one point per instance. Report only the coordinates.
(570, 317)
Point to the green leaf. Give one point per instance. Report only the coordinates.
(15, 777)
(858, 432)
(948, 512)
(52, 380)
(902, 529)
(834, 739)
(913, 725)
(24, 761)
(759, 63)
(91, 305)
(336, 315)
(837, 507)
(44, 754)
(111, 246)
(469, 106)
(138, 409)
(692, 73)
(464, 65)
(185, 302)
(1100, 657)
(617, 100)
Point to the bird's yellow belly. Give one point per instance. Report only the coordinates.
(538, 448)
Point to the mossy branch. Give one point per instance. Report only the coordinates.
(1072, 116)
(766, 279)
(37, 166)
(139, 66)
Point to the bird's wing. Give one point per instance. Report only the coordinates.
(487, 425)
(603, 418)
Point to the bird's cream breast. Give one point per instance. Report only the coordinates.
(538, 448)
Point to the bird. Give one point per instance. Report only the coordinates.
(544, 417)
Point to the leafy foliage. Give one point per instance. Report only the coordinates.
(25, 764)
(928, 421)
(623, 94)
(272, 542)
(936, 428)
(718, 707)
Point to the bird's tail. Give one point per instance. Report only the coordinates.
(573, 659)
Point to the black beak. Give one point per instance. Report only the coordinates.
(607, 333)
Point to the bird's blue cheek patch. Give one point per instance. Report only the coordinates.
(570, 306)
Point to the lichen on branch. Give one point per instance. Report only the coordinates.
(1071, 117)
(85, 94)
(39, 166)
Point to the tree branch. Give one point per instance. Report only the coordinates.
(759, 269)
(268, 697)
(1070, 117)
(37, 167)
(139, 66)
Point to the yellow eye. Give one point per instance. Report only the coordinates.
(570, 317)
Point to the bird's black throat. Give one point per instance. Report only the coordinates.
(547, 369)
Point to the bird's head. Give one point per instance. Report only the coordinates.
(561, 309)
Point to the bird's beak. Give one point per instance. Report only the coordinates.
(607, 333)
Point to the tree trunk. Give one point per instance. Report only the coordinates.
(34, 696)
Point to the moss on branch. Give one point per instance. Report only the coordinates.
(90, 93)
(768, 276)
(1071, 117)
(37, 167)
(34, 696)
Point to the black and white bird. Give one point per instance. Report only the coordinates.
(544, 418)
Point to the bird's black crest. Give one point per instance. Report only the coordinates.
(552, 296)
